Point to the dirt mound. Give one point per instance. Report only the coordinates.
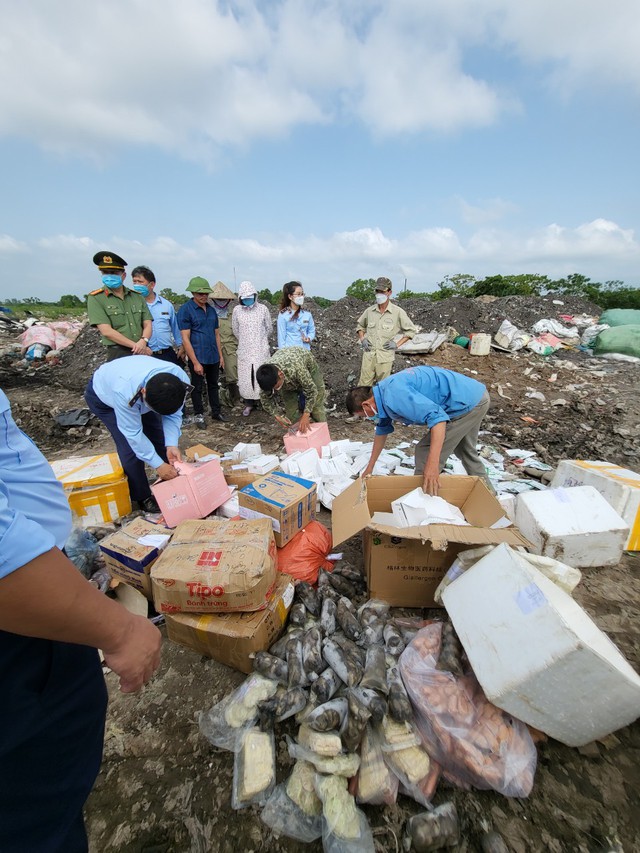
(79, 362)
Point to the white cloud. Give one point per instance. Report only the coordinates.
(194, 76)
(600, 249)
(492, 210)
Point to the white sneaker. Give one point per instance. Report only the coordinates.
(198, 420)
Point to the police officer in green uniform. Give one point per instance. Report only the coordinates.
(121, 315)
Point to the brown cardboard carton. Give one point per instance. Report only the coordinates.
(288, 502)
(405, 565)
(231, 637)
(216, 565)
(129, 557)
(199, 451)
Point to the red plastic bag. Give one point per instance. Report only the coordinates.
(306, 554)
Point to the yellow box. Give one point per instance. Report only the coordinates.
(95, 486)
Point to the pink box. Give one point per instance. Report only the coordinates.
(200, 488)
(317, 436)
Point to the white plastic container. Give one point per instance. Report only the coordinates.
(480, 344)
(575, 525)
(537, 654)
(620, 487)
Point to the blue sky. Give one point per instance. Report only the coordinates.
(324, 141)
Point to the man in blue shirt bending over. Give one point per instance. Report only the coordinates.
(449, 404)
(140, 400)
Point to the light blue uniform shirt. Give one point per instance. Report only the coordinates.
(165, 331)
(117, 382)
(290, 331)
(425, 395)
(34, 512)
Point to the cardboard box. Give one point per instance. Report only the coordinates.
(288, 502)
(130, 552)
(231, 637)
(215, 566)
(620, 487)
(199, 451)
(96, 488)
(574, 525)
(537, 654)
(316, 436)
(404, 570)
(200, 488)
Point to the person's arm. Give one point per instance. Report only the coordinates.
(219, 345)
(269, 404)
(361, 328)
(311, 330)
(141, 347)
(175, 331)
(268, 322)
(111, 334)
(130, 425)
(379, 442)
(69, 609)
(188, 348)
(407, 327)
(235, 323)
(281, 326)
(431, 477)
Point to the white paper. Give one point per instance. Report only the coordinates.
(154, 540)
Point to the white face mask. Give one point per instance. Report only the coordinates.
(298, 300)
(381, 298)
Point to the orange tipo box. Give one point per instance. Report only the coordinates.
(317, 436)
(200, 488)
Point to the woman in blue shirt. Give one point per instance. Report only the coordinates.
(295, 325)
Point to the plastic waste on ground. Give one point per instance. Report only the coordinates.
(82, 549)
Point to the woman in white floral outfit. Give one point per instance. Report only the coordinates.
(252, 325)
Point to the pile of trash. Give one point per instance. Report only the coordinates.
(37, 340)
(367, 691)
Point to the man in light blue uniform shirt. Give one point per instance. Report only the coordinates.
(140, 401)
(165, 332)
(450, 404)
(52, 621)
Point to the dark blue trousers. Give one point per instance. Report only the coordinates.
(133, 467)
(52, 715)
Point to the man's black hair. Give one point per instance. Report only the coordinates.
(165, 393)
(356, 397)
(145, 272)
(267, 376)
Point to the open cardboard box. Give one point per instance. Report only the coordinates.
(405, 565)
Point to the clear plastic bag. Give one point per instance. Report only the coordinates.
(285, 817)
(344, 765)
(254, 769)
(346, 828)
(375, 670)
(474, 742)
(82, 549)
(225, 722)
(376, 784)
(407, 759)
(434, 830)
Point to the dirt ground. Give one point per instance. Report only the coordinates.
(164, 789)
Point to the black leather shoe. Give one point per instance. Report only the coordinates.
(149, 504)
(219, 417)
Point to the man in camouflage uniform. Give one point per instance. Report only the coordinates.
(220, 298)
(293, 371)
(121, 315)
(377, 328)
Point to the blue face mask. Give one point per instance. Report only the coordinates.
(111, 281)
(375, 419)
(142, 289)
(248, 302)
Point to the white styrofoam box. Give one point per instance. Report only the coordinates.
(405, 472)
(325, 452)
(537, 654)
(263, 464)
(308, 462)
(360, 463)
(508, 504)
(620, 487)
(575, 525)
(230, 508)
